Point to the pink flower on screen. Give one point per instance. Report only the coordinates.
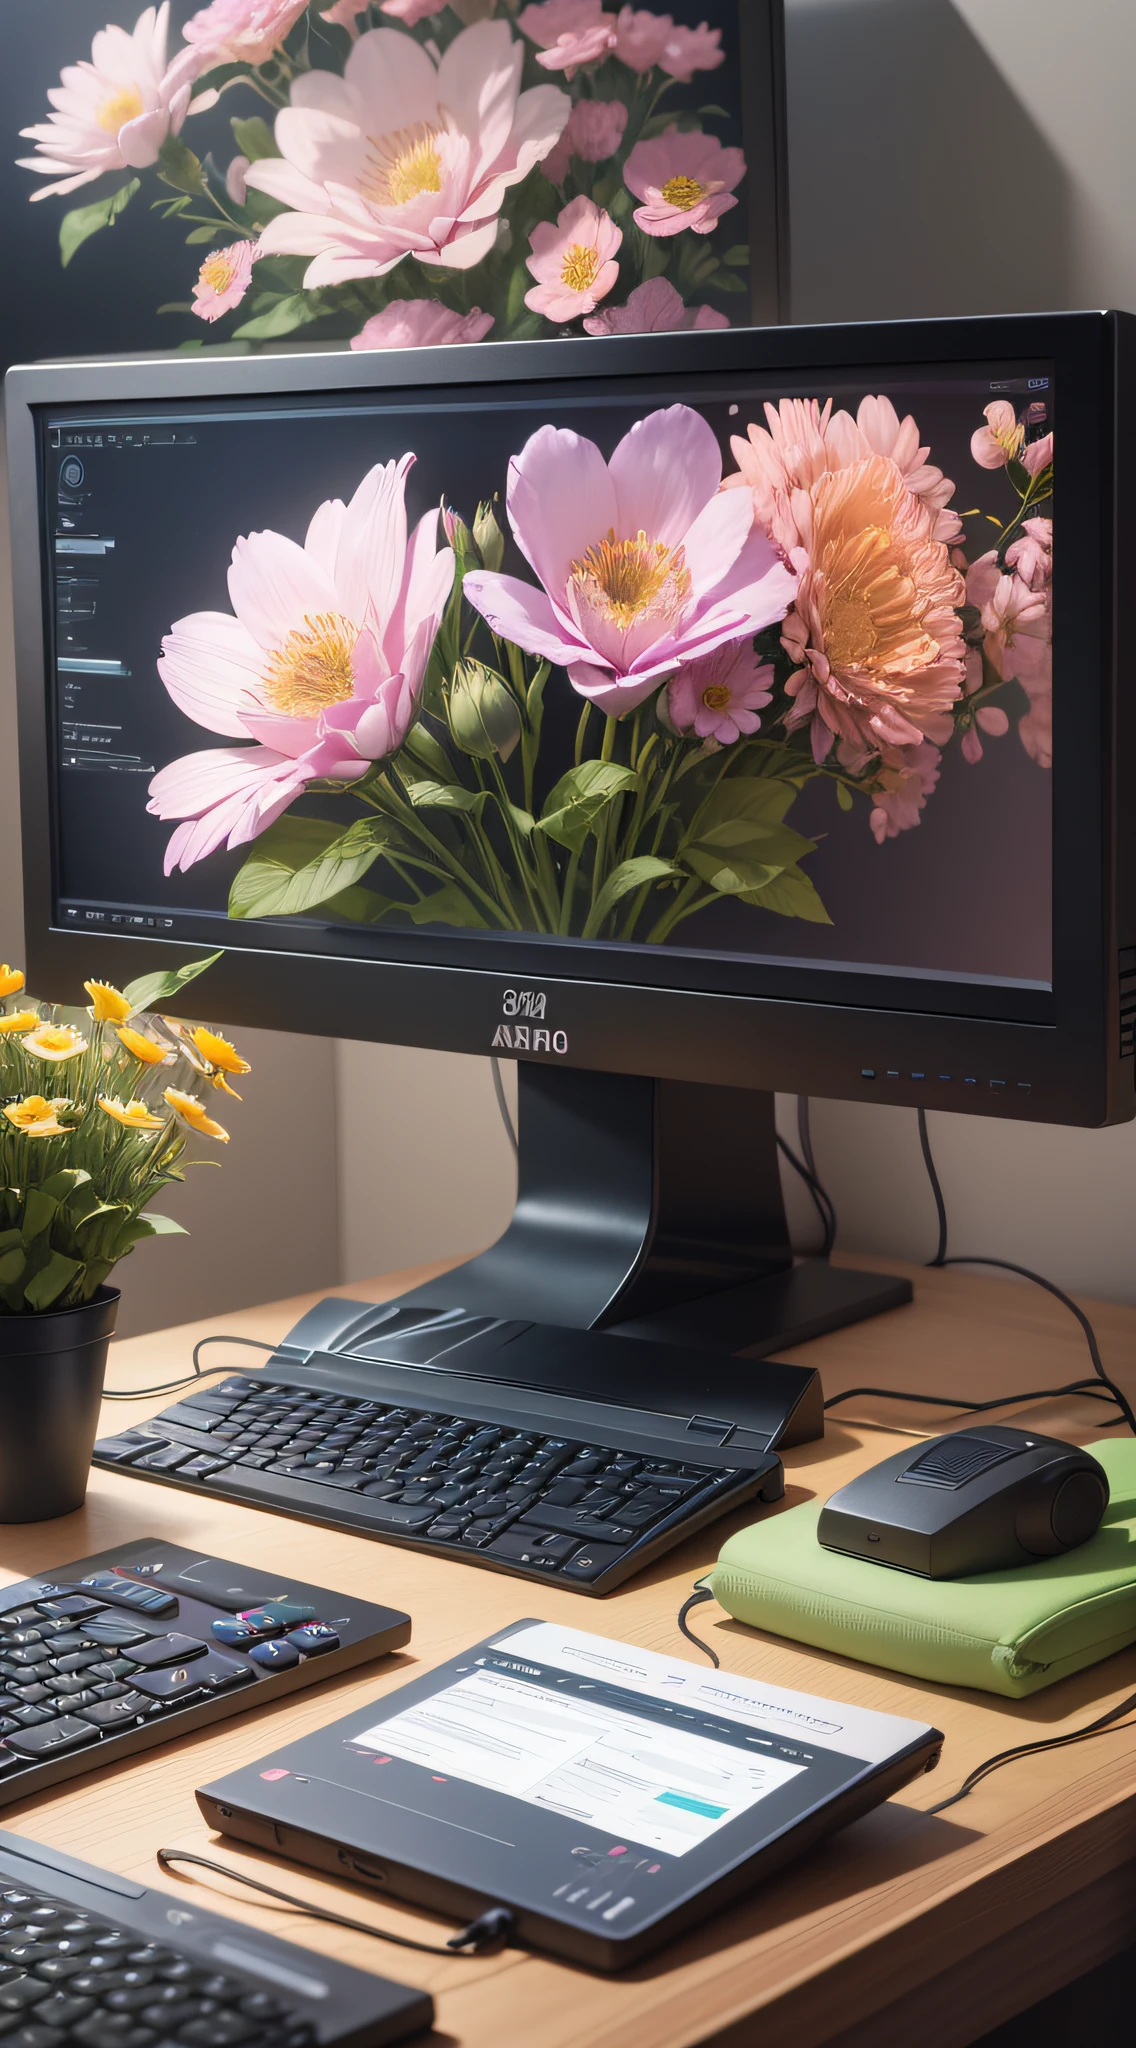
(223, 280)
(685, 180)
(1031, 555)
(1015, 620)
(411, 11)
(653, 308)
(422, 323)
(573, 262)
(114, 112)
(320, 663)
(687, 50)
(875, 627)
(720, 696)
(644, 563)
(903, 788)
(241, 31)
(345, 14)
(990, 718)
(594, 132)
(570, 33)
(405, 155)
(235, 180)
(802, 440)
(641, 36)
(1037, 455)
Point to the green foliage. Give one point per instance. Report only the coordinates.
(297, 309)
(300, 862)
(82, 222)
(177, 166)
(578, 799)
(484, 715)
(165, 984)
(254, 138)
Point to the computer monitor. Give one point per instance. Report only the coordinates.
(686, 717)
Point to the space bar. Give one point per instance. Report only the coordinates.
(397, 1514)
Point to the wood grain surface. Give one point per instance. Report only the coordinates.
(904, 1927)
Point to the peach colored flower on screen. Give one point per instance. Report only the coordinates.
(573, 262)
(421, 323)
(594, 132)
(803, 439)
(320, 663)
(688, 50)
(570, 33)
(1016, 623)
(902, 790)
(720, 696)
(241, 31)
(685, 180)
(644, 562)
(223, 280)
(404, 155)
(653, 308)
(114, 112)
(875, 627)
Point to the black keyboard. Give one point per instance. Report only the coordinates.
(92, 1960)
(587, 1512)
(120, 1651)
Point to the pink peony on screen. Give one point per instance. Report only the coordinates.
(759, 677)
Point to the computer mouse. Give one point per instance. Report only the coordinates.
(979, 1500)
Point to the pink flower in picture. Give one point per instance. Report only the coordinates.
(410, 12)
(720, 696)
(223, 280)
(644, 562)
(344, 14)
(1003, 440)
(241, 31)
(573, 262)
(1031, 555)
(653, 308)
(903, 787)
(1037, 455)
(235, 179)
(641, 37)
(875, 626)
(405, 155)
(594, 132)
(802, 440)
(989, 718)
(422, 323)
(570, 33)
(687, 50)
(1017, 628)
(684, 179)
(115, 112)
(320, 663)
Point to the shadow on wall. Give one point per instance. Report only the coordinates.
(919, 184)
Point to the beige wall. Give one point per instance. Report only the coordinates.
(948, 156)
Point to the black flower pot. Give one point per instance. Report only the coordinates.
(51, 1385)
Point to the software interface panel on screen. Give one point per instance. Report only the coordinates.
(755, 672)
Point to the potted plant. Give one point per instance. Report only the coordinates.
(97, 1106)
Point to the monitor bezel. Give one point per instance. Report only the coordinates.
(1068, 1070)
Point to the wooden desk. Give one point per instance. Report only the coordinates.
(903, 1928)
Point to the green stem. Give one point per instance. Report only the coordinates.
(611, 726)
(671, 916)
(581, 729)
(399, 807)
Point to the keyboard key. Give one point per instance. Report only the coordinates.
(113, 1632)
(280, 1613)
(166, 1459)
(573, 1523)
(52, 1738)
(118, 1591)
(590, 1560)
(393, 1514)
(123, 1450)
(211, 1673)
(237, 1635)
(117, 1712)
(314, 1639)
(203, 1467)
(20, 1993)
(173, 1649)
(533, 1546)
(275, 1656)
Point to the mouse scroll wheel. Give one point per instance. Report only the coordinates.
(1076, 1508)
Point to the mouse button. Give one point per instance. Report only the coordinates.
(952, 1461)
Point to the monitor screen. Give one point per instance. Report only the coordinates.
(721, 681)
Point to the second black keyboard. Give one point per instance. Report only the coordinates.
(586, 1511)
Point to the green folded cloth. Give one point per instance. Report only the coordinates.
(1009, 1632)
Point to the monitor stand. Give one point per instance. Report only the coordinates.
(653, 1209)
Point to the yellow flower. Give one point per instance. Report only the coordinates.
(36, 1117)
(20, 1020)
(221, 1056)
(11, 981)
(107, 1005)
(134, 1115)
(55, 1042)
(194, 1114)
(145, 1048)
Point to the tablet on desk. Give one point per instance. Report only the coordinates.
(608, 1796)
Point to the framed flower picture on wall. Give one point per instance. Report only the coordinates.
(263, 173)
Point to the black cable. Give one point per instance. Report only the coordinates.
(1024, 1272)
(499, 1091)
(1007, 1756)
(490, 1926)
(200, 1372)
(1090, 1387)
(940, 1258)
(700, 1594)
(822, 1201)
